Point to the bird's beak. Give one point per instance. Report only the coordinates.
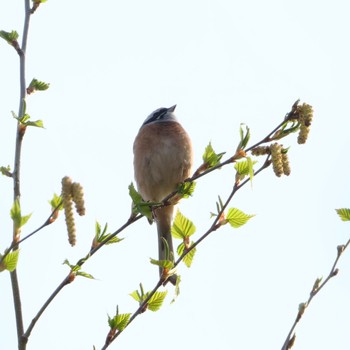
(172, 108)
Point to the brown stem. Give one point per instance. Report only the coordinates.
(288, 343)
(16, 173)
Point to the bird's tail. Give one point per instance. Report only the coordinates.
(163, 218)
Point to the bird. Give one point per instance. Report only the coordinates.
(163, 158)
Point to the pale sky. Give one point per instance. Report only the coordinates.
(110, 64)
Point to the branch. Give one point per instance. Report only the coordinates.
(216, 224)
(289, 342)
(214, 227)
(16, 172)
(71, 276)
(134, 218)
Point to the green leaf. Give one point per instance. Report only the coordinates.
(36, 123)
(287, 128)
(165, 264)
(245, 167)
(101, 235)
(6, 171)
(135, 196)
(244, 136)
(10, 261)
(189, 256)
(10, 37)
(250, 168)
(56, 201)
(119, 321)
(25, 120)
(237, 218)
(182, 227)
(76, 269)
(219, 206)
(210, 157)
(156, 300)
(84, 274)
(16, 215)
(135, 294)
(37, 85)
(139, 205)
(344, 214)
(186, 189)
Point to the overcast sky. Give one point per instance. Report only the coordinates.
(110, 64)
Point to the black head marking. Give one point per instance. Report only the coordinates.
(158, 114)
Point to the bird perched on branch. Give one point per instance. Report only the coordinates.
(162, 159)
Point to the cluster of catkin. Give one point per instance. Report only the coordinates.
(72, 192)
(279, 157)
(303, 115)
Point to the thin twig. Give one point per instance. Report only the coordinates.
(138, 312)
(69, 278)
(215, 225)
(289, 342)
(16, 172)
(14, 244)
(26, 335)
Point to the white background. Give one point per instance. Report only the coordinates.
(110, 64)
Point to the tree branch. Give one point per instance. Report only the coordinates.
(16, 172)
(289, 342)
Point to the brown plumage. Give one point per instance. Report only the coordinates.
(162, 159)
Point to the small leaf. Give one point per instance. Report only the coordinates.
(103, 236)
(6, 171)
(140, 206)
(135, 294)
(156, 301)
(245, 136)
(165, 264)
(135, 196)
(16, 215)
(10, 261)
(25, 219)
(10, 37)
(186, 189)
(287, 128)
(66, 262)
(56, 201)
(237, 218)
(119, 321)
(84, 274)
(36, 85)
(25, 120)
(344, 214)
(189, 256)
(245, 167)
(210, 157)
(76, 269)
(250, 168)
(182, 227)
(36, 123)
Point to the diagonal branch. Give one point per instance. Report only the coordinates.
(289, 342)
